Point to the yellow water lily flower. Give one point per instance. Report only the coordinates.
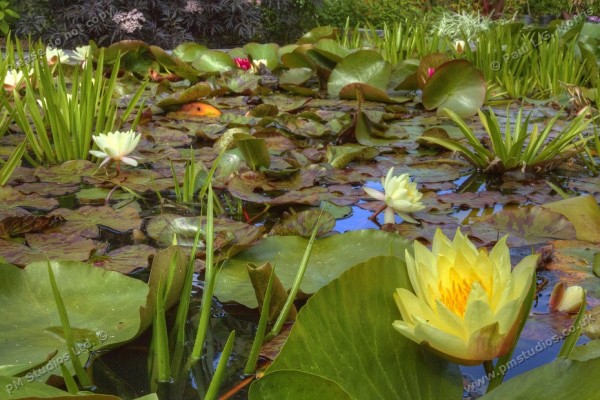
(116, 146)
(467, 305)
(401, 196)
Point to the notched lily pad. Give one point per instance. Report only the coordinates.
(69, 172)
(11, 198)
(303, 223)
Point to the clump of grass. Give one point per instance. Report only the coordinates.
(519, 146)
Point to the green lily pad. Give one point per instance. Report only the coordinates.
(365, 67)
(429, 65)
(340, 156)
(254, 151)
(214, 61)
(561, 379)
(267, 52)
(303, 223)
(318, 33)
(189, 51)
(352, 352)
(331, 49)
(456, 85)
(103, 309)
(330, 257)
(295, 76)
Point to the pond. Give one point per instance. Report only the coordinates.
(237, 165)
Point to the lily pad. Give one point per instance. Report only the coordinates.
(456, 85)
(371, 359)
(561, 379)
(584, 214)
(69, 172)
(266, 52)
(214, 61)
(44, 246)
(11, 198)
(330, 257)
(103, 309)
(84, 221)
(198, 91)
(126, 259)
(365, 67)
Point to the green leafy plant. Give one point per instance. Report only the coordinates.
(517, 146)
(6, 14)
(59, 116)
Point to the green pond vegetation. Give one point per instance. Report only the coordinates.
(143, 192)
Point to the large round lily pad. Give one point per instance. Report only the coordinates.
(456, 85)
(330, 257)
(344, 345)
(364, 66)
(103, 309)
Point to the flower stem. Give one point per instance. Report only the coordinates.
(488, 365)
(379, 210)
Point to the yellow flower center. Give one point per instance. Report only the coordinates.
(455, 295)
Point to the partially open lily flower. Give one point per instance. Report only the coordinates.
(55, 56)
(81, 54)
(14, 80)
(116, 146)
(242, 63)
(401, 197)
(567, 299)
(459, 46)
(467, 306)
(256, 64)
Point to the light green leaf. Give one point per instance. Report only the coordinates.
(364, 66)
(103, 309)
(330, 257)
(344, 334)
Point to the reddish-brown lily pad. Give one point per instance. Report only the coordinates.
(47, 246)
(84, 221)
(11, 198)
(126, 259)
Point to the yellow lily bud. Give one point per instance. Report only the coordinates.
(566, 300)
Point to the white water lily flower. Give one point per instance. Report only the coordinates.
(55, 56)
(256, 64)
(116, 146)
(81, 54)
(467, 306)
(14, 80)
(401, 196)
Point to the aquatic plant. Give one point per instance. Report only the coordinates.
(466, 305)
(116, 146)
(400, 195)
(566, 299)
(519, 146)
(60, 126)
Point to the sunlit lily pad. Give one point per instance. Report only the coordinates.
(330, 257)
(583, 212)
(357, 336)
(456, 85)
(103, 309)
(198, 91)
(214, 61)
(364, 67)
(303, 223)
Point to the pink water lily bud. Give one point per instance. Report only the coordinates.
(566, 299)
(243, 63)
(430, 72)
